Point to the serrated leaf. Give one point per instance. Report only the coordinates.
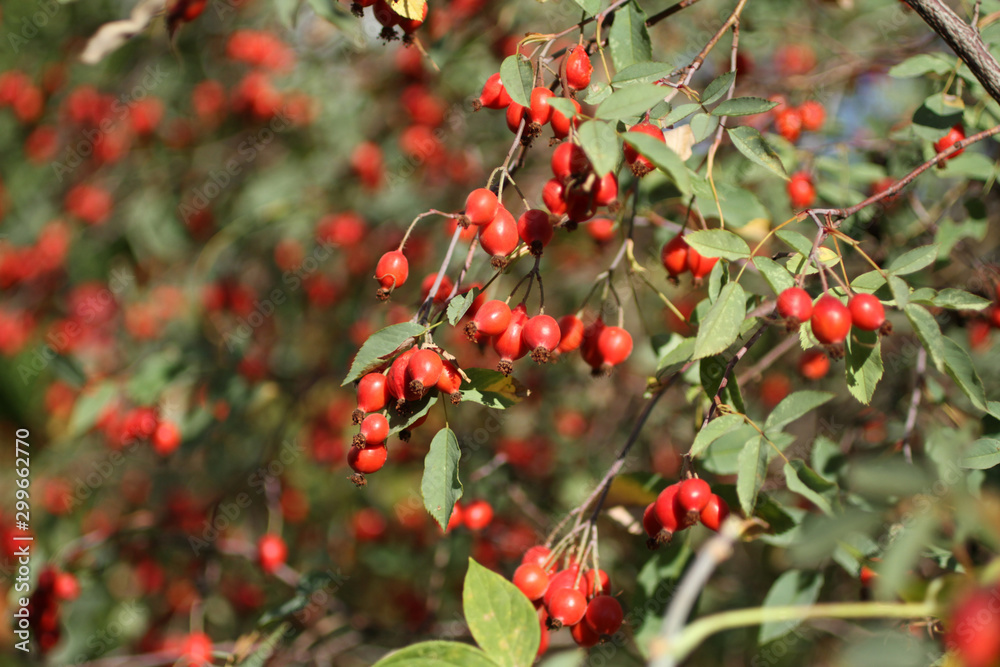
(410, 9)
(958, 366)
(492, 389)
(591, 7)
(441, 487)
(721, 325)
(459, 305)
(863, 364)
(628, 38)
(777, 276)
(631, 101)
(379, 346)
(518, 78)
(795, 241)
(868, 282)
(600, 142)
(956, 299)
(793, 587)
(752, 471)
(501, 619)
(743, 106)
(714, 430)
(981, 454)
(715, 90)
(718, 243)
(750, 142)
(644, 72)
(679, 113)
(662, 157)
(928, 331)
(793, 407)
(437, 654)
(913, 260)
(919, 65)
(806, 482)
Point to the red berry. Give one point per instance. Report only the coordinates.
(814, 364)
(568, 159)
(639, 164)
(580, 204)
(423, 370)
(813, 115)
(801, 192)
(499, 238)
(607, 190)
(795, 304)
(562, 579)
(588, 344)
(540, 111)
(66, 586)
(602, 230)
(494, 95)
(410, 26)
(541, 335)
(374, 429)
(698, 265)
(614, 345)
(715, 513)
(271, 552)
(578, 68)
(492, 318)
(866, 575)
(953, 136)
(373, 392)
(537, 554)
(693, 495)
(570, 333)
(515, 114)
(583, 635)
(450, 381)
(650, 522)
(553, 196)
(197, 649)
(831, 320)
(535, 229)
(674, 256)
(477, 515)
(532, 580)
(789, 124)
(396, 378)
(367, 460)
(392, 270)
(561, 124)
(974, 634)
(510, 344)
(867, 312)
(166, 438)
(481, 206)
(567, 607)
(598, 578)
(666, 510)
(604, 615)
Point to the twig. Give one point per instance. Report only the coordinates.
(911, 415)
(421, 316)
(669, 11)
(729, 370)
(765, 362)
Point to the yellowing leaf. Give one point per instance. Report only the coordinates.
(411, 9)
(679, 140)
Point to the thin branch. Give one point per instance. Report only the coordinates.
(669, 11)
(911, 414)
(729, 371)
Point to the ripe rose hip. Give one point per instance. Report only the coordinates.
(499, 238)
(491, 319)
(271, 552)
(674, 256)
(588, 344)
(789, 124)
(510, 344)
(698, 265)
(477, 515)
(374, 430)
(532, 580)
(814, 364)
(693, 495)
(614, 345)
(598, 578)
(650, 523)
(541, 335)
(867, 312)
(813, 115)
(537, 554)
(396, 381)
(974, 632)
(666, 511)
(494, 95)
(953, 136)
(583, 635)
(391, 272)
(566, 607)
(715, 513)
(602, 230)
(568, 159)
(604, 615)
(450, 382)
(580, 204)
(578, 68)
(481, 206)
(423, 371)
(368, 459)
(166, 438)
(801, 192)
(831, 320)
(795, 305)
(607, 190)
(515, 114)
(639, 164)
(553, 196)
(570, 333)
(373, 392)
(561, 124)
(540, 111)
(535, 229)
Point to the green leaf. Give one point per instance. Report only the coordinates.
(919, 65)
(437, 654)
(793, 587)
(644, 72)
(332, 12)
(750, 142)
(266, 649)
(958, 366)
(718, 243)
(902, 555)
(806, 482)
(900, 291)
(518, 78)
(714, 430)
(379, 347)
(703, 125)
(415, 410)
(752, 472)
(672, 357)
(863, 364)
(777, 276)
(664, 158)
(796, 241)
(794, 406)
(721, 325)
(152, 376)
(563, 106)
(596, 93)
(600, 143)
(715, 90)
(743, 106)
(939, 111)
(974, 166)
(868, 282)
(981, 455)
(492, 389)
(459, 306)
(441, 487)
(928, 331)
(679, 113)
(287, 11)
(631, 101)
(88, 408)
(591, 7)
(913, 260)
(956, 299)
(628, 38)
(501, 619)
(309, 584)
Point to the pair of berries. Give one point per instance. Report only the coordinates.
(499, 234)
(790, 121)
(830, 319)
(679, 506)
(678, 257)
(604, 347)
(475, 516)
(574, 189)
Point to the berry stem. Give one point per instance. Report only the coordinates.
(417, 219)
(425, 307)
(729, 371)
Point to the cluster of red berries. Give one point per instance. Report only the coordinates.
(678, 258)
(389, 19)
(829, 319)
(575, 190)
(53, 588)
(124, 427)
(790, 121)
(680, 506)
(30, 262)
(574, 597)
